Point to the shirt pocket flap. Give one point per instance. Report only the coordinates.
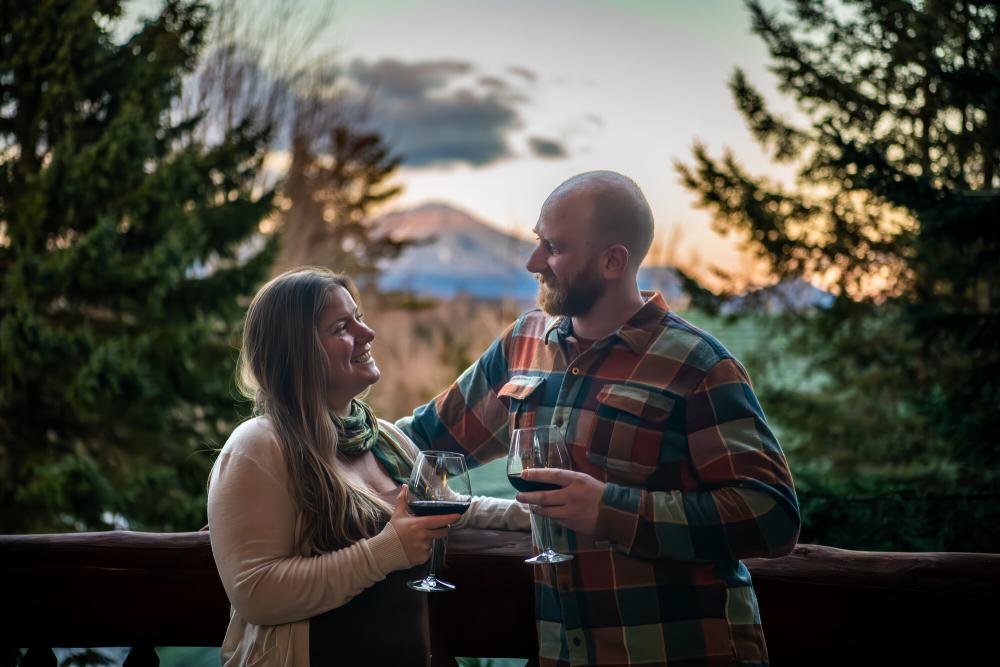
(520, 387)
(645, 405)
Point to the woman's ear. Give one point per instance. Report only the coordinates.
(615, 261)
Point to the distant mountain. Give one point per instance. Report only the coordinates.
(460, 253)
(788, 295)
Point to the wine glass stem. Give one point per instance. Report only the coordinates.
(437, 546)
(546, 535)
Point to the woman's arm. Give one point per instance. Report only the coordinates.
(252, 520)
(497, 514)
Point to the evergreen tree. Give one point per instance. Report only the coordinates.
(897, 203)
(124, 268)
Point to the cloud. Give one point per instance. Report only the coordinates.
(463, 127)
(430, 112)
(547, 148)
(437, 112)
(523, 72)
(494, 83)
(398, 80)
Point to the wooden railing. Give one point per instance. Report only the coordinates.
(819, 605)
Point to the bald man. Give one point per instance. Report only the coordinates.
(676, 475)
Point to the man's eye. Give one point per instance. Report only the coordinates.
(551, 248)
(360, 316)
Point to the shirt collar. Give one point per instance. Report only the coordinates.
(556, 323)
(636, 333)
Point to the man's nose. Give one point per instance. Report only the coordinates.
(536, 262)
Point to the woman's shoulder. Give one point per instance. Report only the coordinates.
(251, 451)
(255, 438)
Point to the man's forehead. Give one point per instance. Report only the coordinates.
(555, 229)
(566, 214)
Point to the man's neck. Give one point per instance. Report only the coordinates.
(613, 309)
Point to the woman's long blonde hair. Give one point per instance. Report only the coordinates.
(284, 370)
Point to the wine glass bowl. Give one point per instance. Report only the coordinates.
(439, 484)
(538, 447)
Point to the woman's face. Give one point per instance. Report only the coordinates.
(347, 343)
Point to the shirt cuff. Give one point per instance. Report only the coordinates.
(387, 549)
(618, 514)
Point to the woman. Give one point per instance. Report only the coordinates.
(306, 502)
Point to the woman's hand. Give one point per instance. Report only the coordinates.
(417, 532)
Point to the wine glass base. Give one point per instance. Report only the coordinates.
(547, 557)
(431, 586)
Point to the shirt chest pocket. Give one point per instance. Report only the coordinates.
(522, 394)
(629, 427)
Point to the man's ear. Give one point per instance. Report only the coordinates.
(614, 261)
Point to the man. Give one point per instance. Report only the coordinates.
(676, 474)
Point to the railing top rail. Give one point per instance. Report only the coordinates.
(127, 589)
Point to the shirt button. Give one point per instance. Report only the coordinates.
(576, 641)
(574, 371)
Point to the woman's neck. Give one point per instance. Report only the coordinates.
(340, 409)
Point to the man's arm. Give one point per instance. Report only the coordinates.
(467, 417)
(747, 507)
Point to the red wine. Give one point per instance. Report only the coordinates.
(435, 507)
(522, 484)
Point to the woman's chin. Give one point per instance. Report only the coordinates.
(371, 374)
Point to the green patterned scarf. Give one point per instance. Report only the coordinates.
(359, 432)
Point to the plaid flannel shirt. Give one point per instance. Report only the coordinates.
(696, 480)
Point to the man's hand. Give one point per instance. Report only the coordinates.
(574, 505)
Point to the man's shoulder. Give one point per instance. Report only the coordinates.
(682, 341)
(532, 324)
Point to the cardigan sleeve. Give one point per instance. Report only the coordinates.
(252, 521)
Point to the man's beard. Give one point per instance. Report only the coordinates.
(575, 297)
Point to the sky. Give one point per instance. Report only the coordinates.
(493, 104)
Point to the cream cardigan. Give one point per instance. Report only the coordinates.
(273, 589)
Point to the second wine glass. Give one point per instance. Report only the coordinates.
(538, 447)
(439, 484)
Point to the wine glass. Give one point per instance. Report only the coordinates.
(439, 484)
(538, 447)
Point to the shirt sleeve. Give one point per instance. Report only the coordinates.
(747, 505)
(468, 417)
(252, 522)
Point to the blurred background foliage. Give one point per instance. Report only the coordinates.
(894, 435)
(137, 218)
